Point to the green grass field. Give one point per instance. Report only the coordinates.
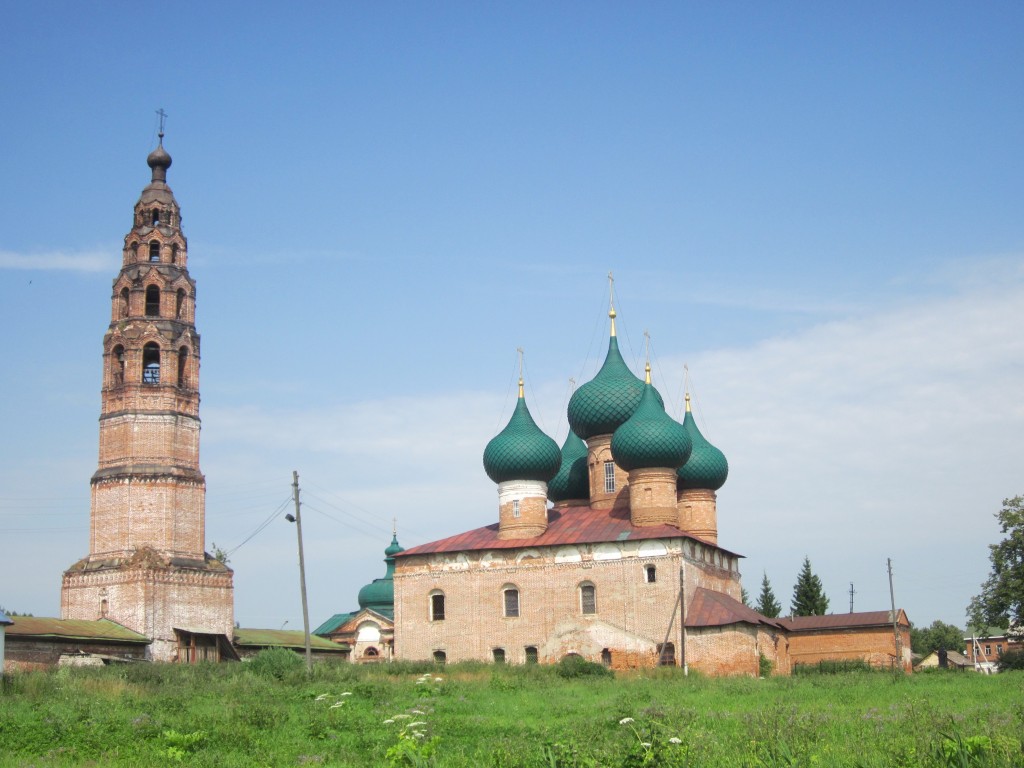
(271, 714)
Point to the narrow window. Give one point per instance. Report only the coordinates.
(122, 304)
(511, 602)
(440, 657)
(606, 657)
(152, 301)
(151, 364)
(182, 365)
(437, 606)
(652, 574)
(515, 508)
(609, 477)
(117, 365)
(999, 649)
(499, 655)
(179, 302)
(156, 216)
(666, 655)
(988, 650)
(174, 254)
(588, 598)
(531, 654)
(154, 251)
(103, 607)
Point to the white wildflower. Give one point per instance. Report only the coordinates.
(417, 712)
(438, 679)
(388, 722)
(418, 722)
(645, 744)
(322, 696)
(626, 721)
(337, 704)
(347, 693)
(675, 740)
(402, 717)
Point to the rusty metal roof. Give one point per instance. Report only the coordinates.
(73, 629)
(844, 621)
(573, 525)
(284, 638)
(716, 609)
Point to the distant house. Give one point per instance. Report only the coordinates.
(4, 623)
(954, 660)
(35, 642)
(867, 636)
(984, 648)
(249, 642)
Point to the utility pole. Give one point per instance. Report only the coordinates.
(852, 593)
(297, 519)
(895, 624)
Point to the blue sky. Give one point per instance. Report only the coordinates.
(815, 207)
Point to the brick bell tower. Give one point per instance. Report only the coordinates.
(147, 568)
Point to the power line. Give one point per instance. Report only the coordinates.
(261, 526)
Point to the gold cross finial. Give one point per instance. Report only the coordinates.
(520, 351)
(611, 300)
(647, 364)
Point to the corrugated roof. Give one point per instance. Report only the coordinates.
(716, 609)
(843, 620)
(284, 638)
(73, 629)
(333, 623)
(574, 525)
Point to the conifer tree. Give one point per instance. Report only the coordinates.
(767, 604)
(744, 596)
(808, 594)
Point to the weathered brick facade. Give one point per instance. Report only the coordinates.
(147, 568)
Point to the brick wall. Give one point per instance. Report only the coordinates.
(874, 645)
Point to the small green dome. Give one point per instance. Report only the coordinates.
(572, 480)
(521, 451)
(650, 437)
(379, 594)
(605, 402)
(707, 467)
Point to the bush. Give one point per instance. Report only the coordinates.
(764, 666)
(574, 666)
(278, 663)
(832, 667)
(1011, 660)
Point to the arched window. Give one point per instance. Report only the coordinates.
(103, 608)
(154, 251)
(182, 366)
(156, 216)
(440, 657)
(174, 254)
(651, 573)
(152, 300)
(122, 303)
(371, 653)
(437, 605)
(179, 303)
(499, 655)
(588, 598)
(606, 657)
(666, 655)
(117, 365)
(151, 363)
(511, 601)
(531, 654)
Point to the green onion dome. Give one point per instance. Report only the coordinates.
(379, 594)
(521, 451)
(650, 437)
(605, 402)
(707, 467)
(572, 480)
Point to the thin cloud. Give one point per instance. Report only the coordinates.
(60, 261)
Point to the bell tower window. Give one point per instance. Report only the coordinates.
(152, 301)
(182, 365)
(117, 365)
(122, 304)
(174, 254)
(156, 216)
(154, 251)
(151, 363)
(179, 303)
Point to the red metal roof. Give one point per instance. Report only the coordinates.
(844, 620)
(573, 525)
(716, 609)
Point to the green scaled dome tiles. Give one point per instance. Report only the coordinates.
(604, 403)
(650, 437)
(706, 468)
(379, 594)
(572, 480)
(521, 451)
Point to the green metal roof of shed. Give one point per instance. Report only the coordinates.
(284, 638)
(73, 629)
(333, 623)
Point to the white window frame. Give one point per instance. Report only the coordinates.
(609, 477)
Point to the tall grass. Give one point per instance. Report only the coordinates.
(273, 714)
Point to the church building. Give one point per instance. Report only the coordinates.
(147, 568)
(623, 568)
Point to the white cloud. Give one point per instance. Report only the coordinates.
(98, 260)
